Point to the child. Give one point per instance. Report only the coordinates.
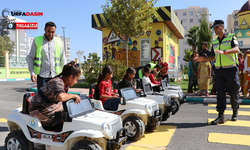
(134, 44)
(190, 75)
(152, 76)
(127, 80)
(204, 74)
(195, 71)
(145, 79)
(109, 100)
(50, 96)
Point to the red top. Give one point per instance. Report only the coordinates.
(241, 64)
(152, 79)
(105, 89)
(164, 67)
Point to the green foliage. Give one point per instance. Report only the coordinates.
(81, 85)
(187, 56)
(119, 69)
(6, 45)
(186, 69)
(204, 32)
(193, 37)
(129, 17)
(91, 68)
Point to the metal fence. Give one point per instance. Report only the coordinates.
(18, 62)
(2, 61)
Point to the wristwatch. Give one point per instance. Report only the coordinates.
(225, 52)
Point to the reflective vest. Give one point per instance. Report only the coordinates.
(38, 55)
(228, 60)
(151, 67)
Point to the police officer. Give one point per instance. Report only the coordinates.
(225, 49)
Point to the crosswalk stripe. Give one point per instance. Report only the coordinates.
(158, 139)
(3, 120)
(237, 139)
(229, 106)
(229, 112)
(240, 123)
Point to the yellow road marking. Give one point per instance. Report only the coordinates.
(228, 105)
(3, 120)
(236, 139)
(20, 105)
(158, 139)
(240, 123)
(229, 112)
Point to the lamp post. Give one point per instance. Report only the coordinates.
(66, 53)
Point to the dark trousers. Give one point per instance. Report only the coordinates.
(111, 104)
(166, 76)
(213, 80)
(41, 81)
(227, 77)
(190, 83)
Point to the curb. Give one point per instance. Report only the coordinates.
(213, 100)
(18, 79)
(32, 89)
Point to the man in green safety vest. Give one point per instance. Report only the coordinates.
(225, 49)
(46, 58)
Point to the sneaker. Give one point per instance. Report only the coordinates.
(195, 92)
(201, 94)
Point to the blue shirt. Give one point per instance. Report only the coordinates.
(190, 71)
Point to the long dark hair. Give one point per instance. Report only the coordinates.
(70, 69)
(106, 69)
(129, 70)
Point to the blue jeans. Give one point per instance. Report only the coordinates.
(227, 79)
(41, 81)
(166, 76)
(111, 104)
(190, 82)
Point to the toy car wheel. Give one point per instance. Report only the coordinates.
(165, 116)
(17, 140)
(134, 128)
(151, 128)
(86, 145)
(175, 105)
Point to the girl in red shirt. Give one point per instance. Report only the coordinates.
(152, 77)
(109, 99)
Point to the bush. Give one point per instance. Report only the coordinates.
(119, 69)
(186, 70)
(81, 85)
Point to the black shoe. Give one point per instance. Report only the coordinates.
(235, 114)
(219, 120)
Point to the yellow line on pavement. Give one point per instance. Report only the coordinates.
(158, 139)
(229, 112)
(3, 120)
(229, 106)
(240, 123)
(236, 139)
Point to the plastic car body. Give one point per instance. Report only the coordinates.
(83, 127)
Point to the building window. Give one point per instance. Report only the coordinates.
(184, 21)
(199, 20)
(191, 13)
(199, 12)
(185, 43)
(184, 14)
(185, 28)
(191, 20)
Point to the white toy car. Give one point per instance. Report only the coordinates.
(83, 128)
(166, 102)
(137, 113)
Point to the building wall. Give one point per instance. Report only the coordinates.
(191, 13)
(244, 20)
(146, 41)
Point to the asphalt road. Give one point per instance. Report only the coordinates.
(191, 132)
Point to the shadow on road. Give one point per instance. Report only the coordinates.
(3, 129)
(186, 125)
(21, 89)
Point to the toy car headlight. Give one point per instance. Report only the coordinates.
(167, 100)
(107, 130)
(148, 109)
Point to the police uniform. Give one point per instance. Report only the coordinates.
(226, 72)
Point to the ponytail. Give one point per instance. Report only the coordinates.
(106, 69)
(70, 69)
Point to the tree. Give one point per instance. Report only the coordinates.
(193, 37)
(129, 18)
(205, 33)
(6, 45)
(187, 56)
(119, 70)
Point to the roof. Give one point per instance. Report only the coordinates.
(165, 14)
(245, 7)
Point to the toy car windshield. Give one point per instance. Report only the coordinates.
(128, 93)
(164, 84)
(147, 88)
(76, 110)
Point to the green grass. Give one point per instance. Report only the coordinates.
(184, 85)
